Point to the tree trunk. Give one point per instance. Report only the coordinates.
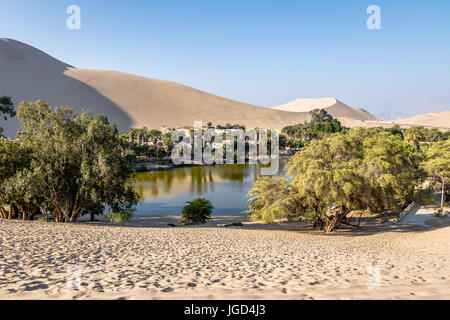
(443, 190)
(58, 214)
(14, 210)
(24, 214)
(75, 209)
(2, 212)
(92, 217)
(331, 225)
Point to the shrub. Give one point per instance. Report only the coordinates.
(196, 211)
(119, 217)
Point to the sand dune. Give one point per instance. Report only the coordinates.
(29, 74)
(158, 103)
(333, 106)
(439, 119)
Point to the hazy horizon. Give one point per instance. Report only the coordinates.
(262, 53)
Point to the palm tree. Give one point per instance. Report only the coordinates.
(412, 139)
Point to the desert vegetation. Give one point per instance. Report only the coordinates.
(63, 165)
(197, 211)
(6, 109)
(358, 170)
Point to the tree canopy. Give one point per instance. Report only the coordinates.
(437, 164)
(6, 109)
(321, 124)
(364, 169)
(75, 165)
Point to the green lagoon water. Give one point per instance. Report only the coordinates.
(226, 186)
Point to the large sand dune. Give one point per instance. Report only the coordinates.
(28, 74)
(333, 106)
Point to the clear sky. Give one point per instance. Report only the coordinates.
(260, 52)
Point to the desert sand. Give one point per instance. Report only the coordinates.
(438, 119)
(147, 259)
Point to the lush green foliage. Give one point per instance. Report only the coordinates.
(119, 217)
(64, 165)
(437, 159)
(145, 133)
(437, 164)
(364, 169)
(6, 109)
(273, 198)
(321, 124)
(196, 211)
(167, 140)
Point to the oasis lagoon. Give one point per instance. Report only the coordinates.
(226, 186)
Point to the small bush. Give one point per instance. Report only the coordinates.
(196, 211)
(119, 217)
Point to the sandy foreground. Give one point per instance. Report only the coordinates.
(147, 259)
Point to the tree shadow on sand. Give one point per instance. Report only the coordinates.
(368, 226)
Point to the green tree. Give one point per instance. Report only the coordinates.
(273, 198)
(6, 109)
(396, 130)
(154, 134)
(320, 115)
(321, 124)
(167, 140)
(78, 165)
(13, 157)
(365, 169)
(437, 164)
(196, 211)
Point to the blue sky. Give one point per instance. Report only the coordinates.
(260, 52)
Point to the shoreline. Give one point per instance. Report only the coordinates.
(166, 164)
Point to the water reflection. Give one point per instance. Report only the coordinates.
(226, 186)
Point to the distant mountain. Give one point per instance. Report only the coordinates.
(333, 106)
